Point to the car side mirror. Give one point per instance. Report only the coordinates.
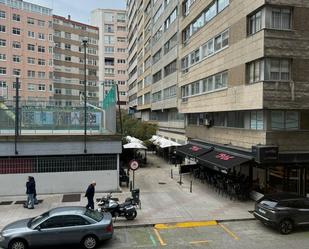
(38, 228)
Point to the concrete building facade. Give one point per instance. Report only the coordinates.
(153, 65)
(113, 47)
(26, 50)
(244, 82)
(69, 61)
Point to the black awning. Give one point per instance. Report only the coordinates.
(192, 150)
(221, 161)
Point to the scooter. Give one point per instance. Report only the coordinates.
(126, 209)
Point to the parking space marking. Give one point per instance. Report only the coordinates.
(159, 237)
(187, 224)
(199, 242)
(228, 231)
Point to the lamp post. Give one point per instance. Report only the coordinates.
(85, 42)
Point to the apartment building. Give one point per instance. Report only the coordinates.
(153, 65)
(69, 61)
(113, 54)
(26, 40)
(244, 87)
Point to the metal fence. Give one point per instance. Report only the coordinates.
(53, 164)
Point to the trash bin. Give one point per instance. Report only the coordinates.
(135, 194)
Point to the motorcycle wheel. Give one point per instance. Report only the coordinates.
(131, 215)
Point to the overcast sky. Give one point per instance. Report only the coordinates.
(79, 9)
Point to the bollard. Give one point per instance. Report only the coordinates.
(191, 186)
(180, 180)
(172, 174)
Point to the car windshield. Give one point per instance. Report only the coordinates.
(37, 220)
(95, 215)
(270, 203)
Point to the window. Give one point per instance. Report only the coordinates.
(16, 17)
(236, 119)
(67, 35)
(108, 17)
(157, 35)
(109, 71)
(121, 39)
(41, 49)
(16, 72)
(284, 120)
(195, 88)
(156, 97)
(109, 28)
(73, 220)
(195, 57)
(277, 69)
(2, 70)
(31, 34)
(50, 37)
(255, 23)
(121, 72)
(170, 68)
(157, 56)
(41, 62)
(67, 46)
(2, 43)
(219, 119)
(31, 87)
(16, 31)
(158, 14)
(281, 19)
(2, 28)
(157, 76)
(2, 57)
(256, 120)
(121, 61)
(121, 82)
(186, 5)
(3, 84)
(121, 28)
(41, 36)
(57, 33)
(52, 222)
(31, 47)
(41, 75)
(2, 14)
(121, 50)
(30, 20)
(109, 50)
(16, 58)
(67, 58)
(108, 39)
(208, 14)
(121, 17)
(185, 64)
(170, 92)
(170, 19)
(256, 71)
(31, 60)
(41, 23)
(171, 43)
(31, 74)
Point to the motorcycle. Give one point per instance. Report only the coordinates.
(126, 209)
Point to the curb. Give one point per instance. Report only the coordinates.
(121, 226)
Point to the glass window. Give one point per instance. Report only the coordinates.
(53, 222)
(256, 120)
(74, 220)
(2, 14)
(291, 120)
(236, 119)
(2, 43)
(277, 119)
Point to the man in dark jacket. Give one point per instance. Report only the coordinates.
(90, 195)
(30, 186)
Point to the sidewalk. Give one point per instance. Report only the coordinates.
(163, 200)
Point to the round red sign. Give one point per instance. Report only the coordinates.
(134, 165)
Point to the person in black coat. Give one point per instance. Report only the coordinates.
(30, 191)
(90, 195)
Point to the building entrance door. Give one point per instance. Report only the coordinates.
(295, 181)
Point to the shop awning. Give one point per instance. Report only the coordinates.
(221, 161)
(191, 150)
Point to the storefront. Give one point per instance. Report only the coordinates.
(268, 169)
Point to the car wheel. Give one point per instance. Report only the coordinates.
(131, 215)
(286, 226)
(18, 244)
(89, 242)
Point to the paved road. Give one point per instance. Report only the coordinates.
(227, 235)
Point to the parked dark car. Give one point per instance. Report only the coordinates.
(59, 226)
(283, 211)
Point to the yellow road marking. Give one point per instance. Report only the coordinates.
(228, 231)
(199, 242)
(159, 237)
(187, 224)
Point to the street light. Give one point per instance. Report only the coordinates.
(85, 42)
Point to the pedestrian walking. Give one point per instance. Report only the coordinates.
(30, 190)
(90, 195)
(35, 200)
